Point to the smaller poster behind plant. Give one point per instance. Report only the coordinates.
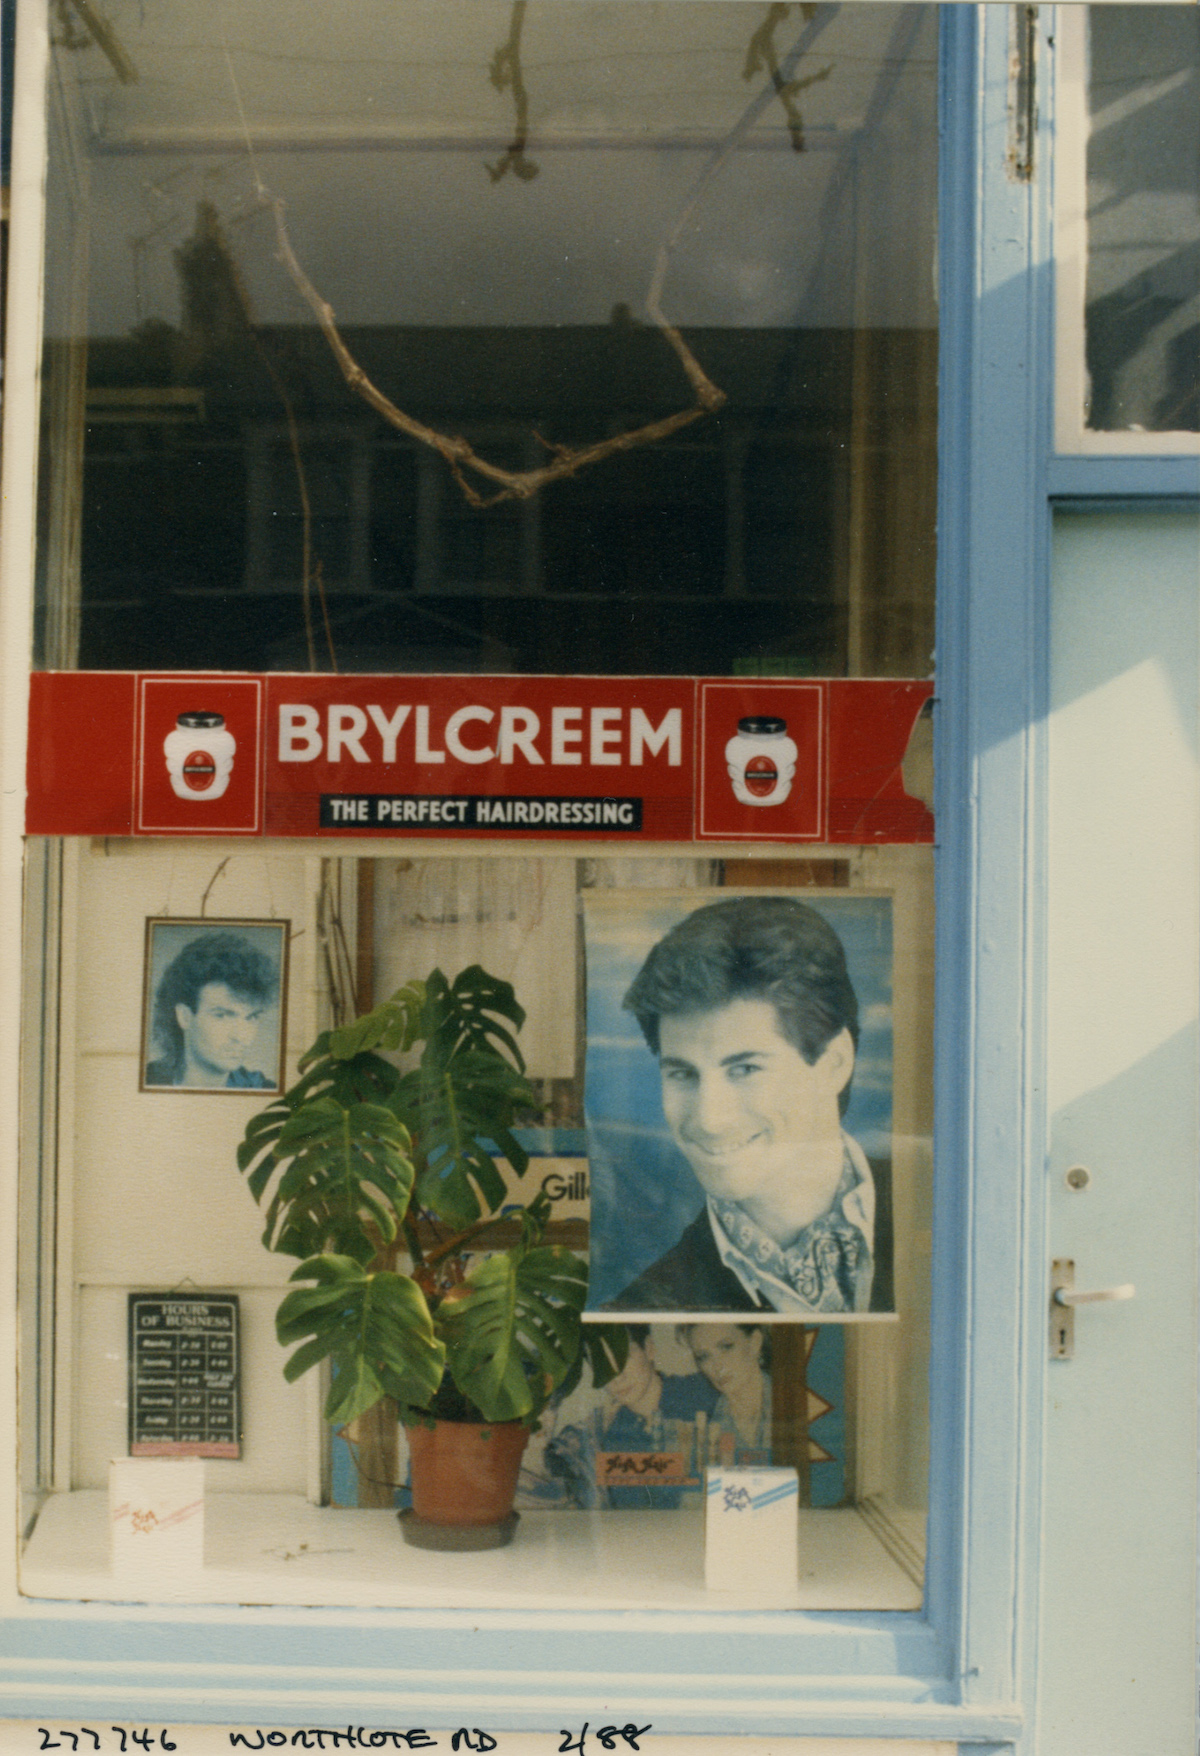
(690, 1395)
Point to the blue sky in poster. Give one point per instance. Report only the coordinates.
(643, 1191)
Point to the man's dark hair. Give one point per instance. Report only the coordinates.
(248, 973)
(752, 948)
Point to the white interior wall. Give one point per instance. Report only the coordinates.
(156, 1199)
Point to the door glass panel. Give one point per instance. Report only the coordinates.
(1143, 219)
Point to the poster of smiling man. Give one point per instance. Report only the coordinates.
(739, 1103)
(213, 1007)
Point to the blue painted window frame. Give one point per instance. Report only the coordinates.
(963, 1668)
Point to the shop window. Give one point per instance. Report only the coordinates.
(843, 1402)
(641, 301)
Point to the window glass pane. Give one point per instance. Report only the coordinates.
(484, 196)
(556, 339)
(150, 1199)
(1143, 217)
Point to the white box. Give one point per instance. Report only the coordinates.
(751, 1527)
(156, 1517)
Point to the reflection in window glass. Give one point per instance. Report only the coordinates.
(483, 195)
(1143, 208)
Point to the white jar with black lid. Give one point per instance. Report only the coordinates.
(762, 760)
(199, 755)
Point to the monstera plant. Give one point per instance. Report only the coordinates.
(382, 1179)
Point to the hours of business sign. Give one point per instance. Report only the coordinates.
(184, 1375)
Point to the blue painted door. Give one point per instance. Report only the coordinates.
(1117, 1636)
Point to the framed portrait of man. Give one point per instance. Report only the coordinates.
(214, 1005)
(739, 1104)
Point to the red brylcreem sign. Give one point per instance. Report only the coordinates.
(613, 758)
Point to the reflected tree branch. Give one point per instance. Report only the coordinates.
(105, 39)
(464, 461)
(761, 55)
(506, 75)
(469, 469)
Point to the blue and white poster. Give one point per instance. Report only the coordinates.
(739, 1103)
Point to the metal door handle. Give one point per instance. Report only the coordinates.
(1063, 1297)
(1063, 1300)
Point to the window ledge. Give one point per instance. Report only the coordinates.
(279, 1549)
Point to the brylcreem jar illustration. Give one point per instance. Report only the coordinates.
(762, 760)
(199, 755)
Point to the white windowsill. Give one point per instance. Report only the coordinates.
(279, 1549)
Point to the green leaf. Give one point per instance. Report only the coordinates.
(605, 1349)
(464, 1016)
(260, 1136)
(261, 1131)
(459, 1105)
(304, 1358)
(511, 1149)
(393, 1024)
(261, 1175)
(343, 1168)
(338, 1158)
(300, 1119)
(318, 1050)
(451, 1111)
(365, 1078)
(514, 1338)
(375, 1329)
(355, 1389)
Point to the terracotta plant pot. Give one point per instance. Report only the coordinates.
(463, 1474)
